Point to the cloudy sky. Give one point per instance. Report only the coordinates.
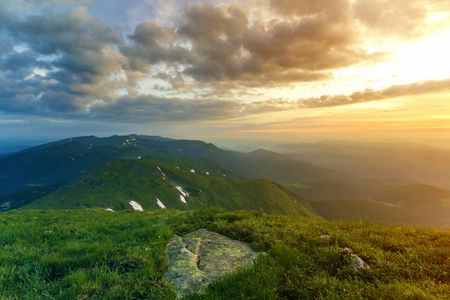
(284, 70)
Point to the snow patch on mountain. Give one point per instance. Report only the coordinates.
(135, 205)
(160, 204)
(185, 194)
(164, 175)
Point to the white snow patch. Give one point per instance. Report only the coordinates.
(192, 171)
(181, 191)
(183, 199)
(161, 170)
(135, 205)
(160, 203)
(109, 209)
(164, 175)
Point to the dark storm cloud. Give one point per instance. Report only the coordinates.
(151, 44)
(5, 44)
(227, 46)
(78, 41)
(74, 52)
(26, 60)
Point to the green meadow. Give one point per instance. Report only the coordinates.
(98, 254)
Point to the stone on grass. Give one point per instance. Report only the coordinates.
(201, 257)
(356, 262)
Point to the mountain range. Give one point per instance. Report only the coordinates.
(112, 172)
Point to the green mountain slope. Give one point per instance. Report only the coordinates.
(57, 164)
(114, 184)
(62, 161)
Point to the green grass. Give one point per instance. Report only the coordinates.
(115, 183)
(96, 254)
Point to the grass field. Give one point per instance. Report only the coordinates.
(98, 254)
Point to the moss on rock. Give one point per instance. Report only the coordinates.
(203, 256)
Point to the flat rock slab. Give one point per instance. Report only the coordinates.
(202, 256)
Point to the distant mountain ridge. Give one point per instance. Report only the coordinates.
(399, 161)
(64, 160)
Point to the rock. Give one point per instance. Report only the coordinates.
(325, 237)
(201, 257)
(357, 263)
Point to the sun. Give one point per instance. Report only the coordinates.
(427, 58)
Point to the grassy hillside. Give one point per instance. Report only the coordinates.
(360, 209)
(62, 161)
(97, 254)
(57, 164)
(114, 184)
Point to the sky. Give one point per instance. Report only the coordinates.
(250, 70)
